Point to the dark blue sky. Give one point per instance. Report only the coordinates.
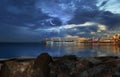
(34, 20)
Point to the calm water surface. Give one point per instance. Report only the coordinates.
(11, 50)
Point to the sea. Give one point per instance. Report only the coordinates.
(58, 49)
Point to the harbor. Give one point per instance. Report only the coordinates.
(115, 39)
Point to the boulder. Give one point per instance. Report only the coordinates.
(35, 68)
(12, 69)
(66, 66)
(5, 71)
(41, 65)
(83, 64)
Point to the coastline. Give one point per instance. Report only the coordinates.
(65, 66)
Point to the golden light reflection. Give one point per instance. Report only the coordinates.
(103, 48)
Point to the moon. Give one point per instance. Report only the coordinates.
(52, 22)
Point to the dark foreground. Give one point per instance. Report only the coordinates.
(67, 66)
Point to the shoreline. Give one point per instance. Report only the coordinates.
(64, 66)
(24, 58)
(33, 58)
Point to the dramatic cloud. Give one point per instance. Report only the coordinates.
(35, 20)
(109, 5)
(64, 10)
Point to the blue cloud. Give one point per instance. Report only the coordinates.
(13, 9)
(25, 17)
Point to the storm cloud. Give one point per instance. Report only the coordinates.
(34, 20)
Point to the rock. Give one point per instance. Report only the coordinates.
(53, 74)
(108, 75)
(66, 66)
(103, 59)
(93, 60)
(114, 65)
(83, 64)
(0, 65)
(12, 69)
(69, 61)
(29, 69)
(63, 66)
(58, 67)
(97, 67)
(5, 71)
(36, 68)
(93, 72)
(69, 57)
(41, 66)
(75, 74)
(62, 74)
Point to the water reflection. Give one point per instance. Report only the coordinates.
(88, 49)
(59, 49)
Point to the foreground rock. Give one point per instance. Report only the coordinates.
(13, 69)
(41, 66)
(66, 66)
(34, 68)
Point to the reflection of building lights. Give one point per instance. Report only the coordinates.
(76, 39)
(116, 37)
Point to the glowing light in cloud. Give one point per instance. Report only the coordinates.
(73, 26)
(102, 27)
(69, 36)
(92, 33)
(63, 11)
(69, 26)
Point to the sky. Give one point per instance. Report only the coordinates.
(36, 20)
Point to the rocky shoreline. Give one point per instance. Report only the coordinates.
(67, 66)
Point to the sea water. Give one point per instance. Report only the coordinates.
(57, 49)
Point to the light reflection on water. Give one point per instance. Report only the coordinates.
(88, 49)
(58, 49)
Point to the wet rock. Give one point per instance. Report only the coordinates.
(92, 67)
(63, 66)
(66, 66)
(114, 65)
(5, 71)
(62, 74)
(93, 60)
(93, 72)
(83, 64)
(41, 66)
(53, 74)
(36, 68)
(69, 57)
(29, 69)
(58, 67)
(12, 69)
(103, 59)
(69, 61)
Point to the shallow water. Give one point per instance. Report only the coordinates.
(11, 50)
